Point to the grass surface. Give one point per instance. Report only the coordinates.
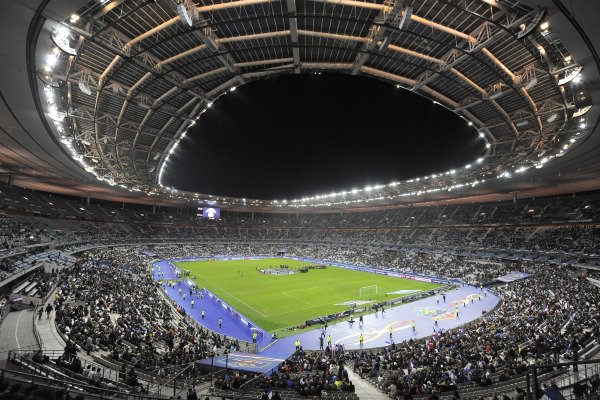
(280, 301)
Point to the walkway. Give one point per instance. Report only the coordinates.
(49, 336)
(363, 389)
(17, 332)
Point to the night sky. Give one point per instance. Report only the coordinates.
(302, 135)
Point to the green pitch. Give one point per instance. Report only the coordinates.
(279, 301)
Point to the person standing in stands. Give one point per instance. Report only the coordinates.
(48, 310)
(191, 394)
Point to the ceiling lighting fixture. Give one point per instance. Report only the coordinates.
(531, 83)
(187, 11)
(406, 14)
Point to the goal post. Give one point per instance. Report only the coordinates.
(368, 291)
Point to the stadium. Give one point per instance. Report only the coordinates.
(299, 199)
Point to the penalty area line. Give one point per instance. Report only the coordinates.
(243, 302)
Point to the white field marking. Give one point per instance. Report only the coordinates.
(320, 286)
(304, 301)
(17, 329)
(311, 305)
(243, 302)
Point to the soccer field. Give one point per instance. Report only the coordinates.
(279, 301)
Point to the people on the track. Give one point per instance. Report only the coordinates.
(361, 339)
(203, 314)
(220, 323)
(414, 326)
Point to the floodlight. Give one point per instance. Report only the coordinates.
(406, 14)
(61, 38)
(531, 83)
(496, 95)
(184, 14)
(84, 88)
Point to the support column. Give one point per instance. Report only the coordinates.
(87, 198)
(11, 179)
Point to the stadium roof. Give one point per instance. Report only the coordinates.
(97, 94)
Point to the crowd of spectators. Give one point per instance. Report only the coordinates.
(108, 303)
(309, 375)
(547, 318)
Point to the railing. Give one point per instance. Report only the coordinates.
(74, 388)
(575, 372)
(172, 384)
(36, 333)
(155, 386)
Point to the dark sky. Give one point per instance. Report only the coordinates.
(301, 135)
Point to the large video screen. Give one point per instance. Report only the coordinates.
(211, 213)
